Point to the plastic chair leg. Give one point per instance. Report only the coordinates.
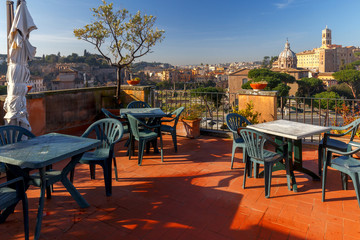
(161, 148)
(174, 140)
(324, 181)
(344, 181)
(246, 169)
(92, 171)
(26, 216)
(232, 156)
(267, 178)
(115, 169)
(108, 177)
(141, 151)
(356, 182)
(320, 158)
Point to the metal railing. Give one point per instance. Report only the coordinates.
(214, 107)
(210, 107)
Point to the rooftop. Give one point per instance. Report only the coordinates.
(193, 195)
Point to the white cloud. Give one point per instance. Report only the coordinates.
(284, 5)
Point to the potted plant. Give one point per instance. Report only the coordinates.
(134, 81)
(189, 122)
(257, 86)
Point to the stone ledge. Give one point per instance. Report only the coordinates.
(258, 93)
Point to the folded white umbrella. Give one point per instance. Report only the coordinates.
(18, 73)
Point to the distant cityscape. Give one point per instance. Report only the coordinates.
(56, 72)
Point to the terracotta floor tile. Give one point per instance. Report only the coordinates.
(193, 195)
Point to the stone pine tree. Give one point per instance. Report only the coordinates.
(120, 37)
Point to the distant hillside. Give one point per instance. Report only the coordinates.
(140, 66)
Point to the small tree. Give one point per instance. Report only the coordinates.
(126, 36)
(351, 78)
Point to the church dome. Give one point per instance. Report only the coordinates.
(287, 58)
(287, 51)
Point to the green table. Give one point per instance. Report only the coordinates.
(142, 113)
(42, 151)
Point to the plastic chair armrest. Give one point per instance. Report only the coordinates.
(12, 181)
(344, 153)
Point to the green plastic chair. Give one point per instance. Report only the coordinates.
(346, 165)
(328, 142)
(235, 121)
(172, 129)
(109, 131)
(144, 136)
(123, 121)
(256, 154)
(11, 134)
(138, 104)
(10, 196)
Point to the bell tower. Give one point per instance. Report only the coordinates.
(326, 37)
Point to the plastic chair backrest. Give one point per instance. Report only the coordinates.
(355, 126)
(12, 134)
(254, 142)
(134, 125)
(138, 104)
(235, 121)
(108, 130)
(109, 114)
(177, 114)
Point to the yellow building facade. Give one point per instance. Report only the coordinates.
(327, 58)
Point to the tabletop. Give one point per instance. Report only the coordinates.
(143, 112)
(44, 150)
(289, 129)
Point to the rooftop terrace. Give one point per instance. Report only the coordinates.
(193, 195)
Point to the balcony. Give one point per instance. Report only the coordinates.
(192, 195)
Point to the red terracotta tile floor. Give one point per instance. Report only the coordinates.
(193, 195)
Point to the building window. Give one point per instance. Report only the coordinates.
(244, 80)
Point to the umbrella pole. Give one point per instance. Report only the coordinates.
(10, 18)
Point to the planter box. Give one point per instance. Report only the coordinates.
(186, 128)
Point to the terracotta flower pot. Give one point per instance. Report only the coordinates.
(258, 86)
(133, 82)
(29, 87)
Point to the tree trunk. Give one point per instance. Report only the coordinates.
(118, 85)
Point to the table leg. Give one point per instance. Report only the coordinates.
(41, 203)
(68, 185)
(298, 166)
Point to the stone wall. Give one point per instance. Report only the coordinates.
(264, 103)
(62, 110)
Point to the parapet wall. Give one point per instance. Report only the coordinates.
(264, 103)
(55, 111)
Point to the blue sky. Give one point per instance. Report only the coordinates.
(203, 31)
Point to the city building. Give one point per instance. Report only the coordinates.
(236, 80)
(327, 58)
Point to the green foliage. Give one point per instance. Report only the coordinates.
(258, 74)
(249, 113)
(349, 115)
(308, 87)
(3, 68)
(123, 35)
(342, 89)
(192, 113)
(209, 94)
(3, 90)
(351, 78)
(276, 81)
(329, 100)
(136, 67)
